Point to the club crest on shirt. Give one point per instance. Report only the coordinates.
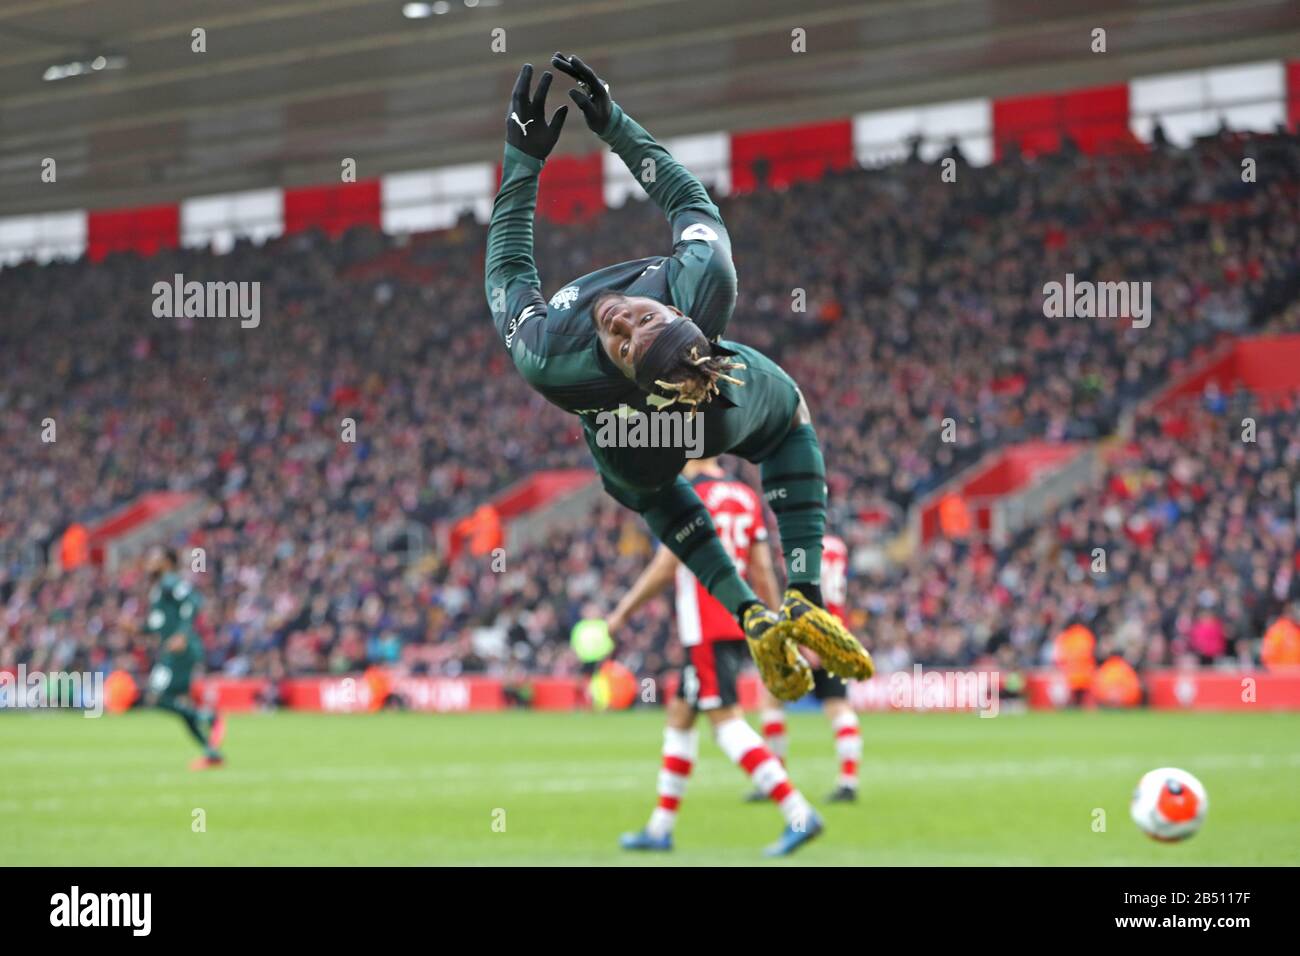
(565, 298)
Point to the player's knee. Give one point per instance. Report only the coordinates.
(723, 715)
(835, 707)
(681, 716)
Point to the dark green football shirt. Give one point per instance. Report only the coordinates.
(553, 343)
(173, 606)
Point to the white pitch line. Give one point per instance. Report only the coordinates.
(882, 771)
(469, 779)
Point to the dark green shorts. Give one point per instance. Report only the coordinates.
(172, 674)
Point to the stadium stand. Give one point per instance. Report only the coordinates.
(923, 302)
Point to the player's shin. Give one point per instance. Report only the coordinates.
(745, 748)
(190, 716)
(679, 753)
(679, 519)
(848, 747)
(774, 733)
(794, 484)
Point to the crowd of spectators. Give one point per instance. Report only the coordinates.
(1182, 552)
(923, 302)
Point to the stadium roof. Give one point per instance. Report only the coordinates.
(287, 88)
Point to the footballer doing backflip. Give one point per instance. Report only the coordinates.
(644, 336)
(716, 650)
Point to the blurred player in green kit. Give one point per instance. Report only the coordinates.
(173, 607)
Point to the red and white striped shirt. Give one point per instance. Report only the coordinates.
(835, 576)
(737, 513)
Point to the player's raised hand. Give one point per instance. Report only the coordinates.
(592, 95)
(526, 126)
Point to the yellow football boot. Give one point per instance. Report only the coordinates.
(785, 673)
(821, 632)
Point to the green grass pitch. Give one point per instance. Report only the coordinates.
(404, 788)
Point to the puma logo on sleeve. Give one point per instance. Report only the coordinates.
(515, 323)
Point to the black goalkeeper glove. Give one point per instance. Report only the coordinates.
(592, 95)
(526, 128)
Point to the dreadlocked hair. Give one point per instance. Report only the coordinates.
(694, 379)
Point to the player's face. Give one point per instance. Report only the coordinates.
(157, 563)
(627, 324)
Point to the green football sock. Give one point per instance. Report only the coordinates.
(794, 484)
(679, 519)
(190, 716)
